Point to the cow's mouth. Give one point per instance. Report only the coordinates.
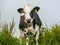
(29, 24)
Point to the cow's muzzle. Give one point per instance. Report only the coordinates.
(28, 21)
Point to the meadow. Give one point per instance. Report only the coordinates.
(48, 36)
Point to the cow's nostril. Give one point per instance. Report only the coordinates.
(28, 20)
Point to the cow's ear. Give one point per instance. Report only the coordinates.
(36, 9)
(20, 10)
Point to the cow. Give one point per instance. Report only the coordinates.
(29, 23)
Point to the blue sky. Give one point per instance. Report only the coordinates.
(49, 11)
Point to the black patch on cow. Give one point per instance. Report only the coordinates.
(20, 10)
(36, 9)
(36, 19)
(22, 24)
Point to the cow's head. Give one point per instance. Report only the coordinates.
(28, 11)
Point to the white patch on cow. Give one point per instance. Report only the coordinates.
(27, 11)
(27, 8)
(36, 27)
(37, 30)
(21, 14)
(31, 29)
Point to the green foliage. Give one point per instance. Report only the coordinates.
(47, 37)
(6, 37)
(12, 26)
(51, 36)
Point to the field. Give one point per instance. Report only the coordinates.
(48, 36)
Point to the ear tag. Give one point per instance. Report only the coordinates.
(21, 11)
(36, 11)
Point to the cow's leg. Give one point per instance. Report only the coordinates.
(20, 41)
(21, 36)
(37, 37)
(27, 40)
(37, 34)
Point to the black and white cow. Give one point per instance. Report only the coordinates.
(29, 23)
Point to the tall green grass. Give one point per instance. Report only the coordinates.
(51, 36)
(6, 35)
(48, 36)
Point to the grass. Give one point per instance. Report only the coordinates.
(48, 36)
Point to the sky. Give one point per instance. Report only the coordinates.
(49, 12)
